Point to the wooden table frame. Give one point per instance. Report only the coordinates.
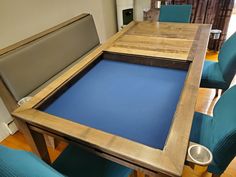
(155, 162)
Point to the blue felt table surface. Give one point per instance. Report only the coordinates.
(133, 101)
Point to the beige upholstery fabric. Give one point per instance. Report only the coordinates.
(57, 75)
(27, 68)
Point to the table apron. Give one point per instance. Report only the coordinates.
(96, 151)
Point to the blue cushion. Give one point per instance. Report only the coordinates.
(175, 13)
(212, 77)
(16, 163)
(76, 162)
(227, 58)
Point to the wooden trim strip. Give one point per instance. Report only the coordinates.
(147, 60)
(122, 148)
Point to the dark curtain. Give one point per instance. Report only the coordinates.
(215, 12)
(221, 21)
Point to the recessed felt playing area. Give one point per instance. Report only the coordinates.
(133, 101)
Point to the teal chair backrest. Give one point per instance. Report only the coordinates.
(227, 58)
(72, 162)
(224, 129)
(175, 13)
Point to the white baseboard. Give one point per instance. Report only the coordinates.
(7, 125)
(11, 127)
(3, 132)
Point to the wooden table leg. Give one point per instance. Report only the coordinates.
(36, 141)
(141, 174)
(51, 141)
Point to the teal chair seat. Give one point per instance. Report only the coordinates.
(220, 74)
(175, 13)
(218, 133)
(73, 162)
(212, 76)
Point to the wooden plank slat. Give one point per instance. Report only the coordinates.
(152, 46)
(165, 30)
(167, 40)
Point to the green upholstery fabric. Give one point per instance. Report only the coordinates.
(220, 74)
(175, 13)
(218, 133)
(227, 58)
(16, 163)
(74, 162)
(200, 128)
(212, 76)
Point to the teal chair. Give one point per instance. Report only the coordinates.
(175, 13)
(73, 162)
(218, 133)
(219, 74)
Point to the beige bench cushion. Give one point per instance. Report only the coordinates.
(28, 67)
(58, 75)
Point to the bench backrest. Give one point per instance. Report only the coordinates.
(29, 66)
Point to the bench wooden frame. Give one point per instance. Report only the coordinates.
(166, 162)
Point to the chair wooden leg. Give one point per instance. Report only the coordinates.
(214, 175)
(141, 174)
(138, 174)
(195, 170)
(51, 142)
(222, 91)
(200, 170)
(217, 93)
(133, 174)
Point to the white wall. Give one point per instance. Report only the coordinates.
(232, 22)
(24, 18)
(139, 6)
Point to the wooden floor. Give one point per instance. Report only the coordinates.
(205, 105)
(212, 56)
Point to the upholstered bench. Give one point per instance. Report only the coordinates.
(28, 66)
